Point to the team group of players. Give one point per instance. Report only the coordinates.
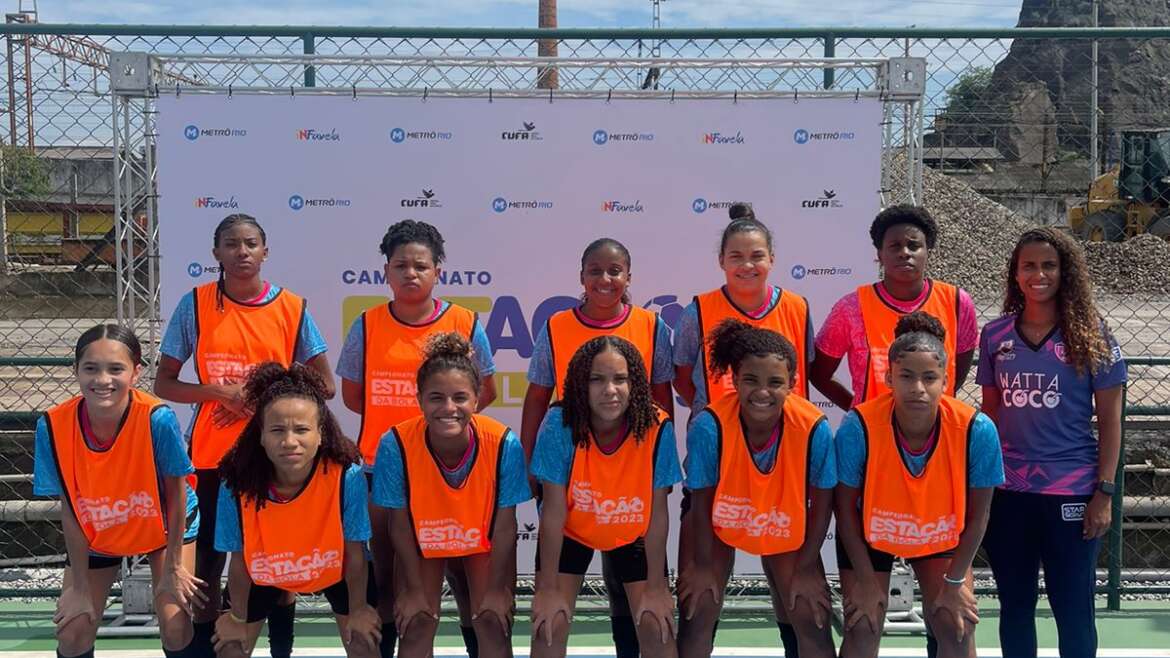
(428, 490)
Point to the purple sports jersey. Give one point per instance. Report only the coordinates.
(1045, 409)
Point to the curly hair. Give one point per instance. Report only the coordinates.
(409, 231)
(226, 223)
(641, 414)
(1083, 327)
(606, 242)
(745, 224)
(448, 351)
(919, 332)
(732, 341)
(246, 469)
(903, 214)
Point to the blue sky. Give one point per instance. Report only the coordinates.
(522, 13)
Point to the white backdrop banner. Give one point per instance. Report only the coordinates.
(518, 188)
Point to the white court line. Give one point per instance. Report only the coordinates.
(607, 652)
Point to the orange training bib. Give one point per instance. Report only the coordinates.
(115, 493)
(789, 318)
(567, 333)
(451, 521)
(610, 495)
(393, 354)
(903, 514)
(879, 318)
(299, 544)
(763, 513)
(230, 343)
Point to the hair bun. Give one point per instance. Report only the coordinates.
(920, 322)
(449, 344)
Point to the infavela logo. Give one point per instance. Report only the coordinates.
(500, 204)
(722, 138)
(216, 204)
(193, 132)
(399, 135)
(622, 207)
(311, 135)
(425, 199)
(529, 133)
(298, 202)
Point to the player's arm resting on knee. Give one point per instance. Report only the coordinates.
(363, 619)
(503, 550)
(978, 508)
(77, 547)
(656, 536)
(845, 501)
(820, 512)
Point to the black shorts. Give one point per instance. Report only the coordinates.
(628, 562)
(207, 489)
(685, 505)
(263, 598)
(882, 561)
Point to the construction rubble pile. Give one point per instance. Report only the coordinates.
(976, 237)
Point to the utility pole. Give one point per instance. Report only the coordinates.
(546, 76)
(1094, 110)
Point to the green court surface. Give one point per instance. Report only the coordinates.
(1141, 625)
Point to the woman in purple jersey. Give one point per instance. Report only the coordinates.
(1043, 366)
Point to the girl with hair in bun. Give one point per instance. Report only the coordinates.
(451, 479)
(605, 310)
(378, 363)
(115, 457)
(1044, 367)
(759, 452)
(606, 459)
(292, 513)
(228, 328)
(746, 257)
(917, 469)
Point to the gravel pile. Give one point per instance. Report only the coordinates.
(977, 235)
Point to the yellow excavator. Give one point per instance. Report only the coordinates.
(1133, 197)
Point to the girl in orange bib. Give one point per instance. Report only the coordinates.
(292, 513)
(377, 366)
(451, 479)
(115, 457)
(760, 466)
(606, 459)
(917, 469)
(227, 328)
(605, 311)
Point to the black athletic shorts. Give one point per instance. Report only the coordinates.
(263, 598)
(883, 562)
(207, 488)
(628, 562)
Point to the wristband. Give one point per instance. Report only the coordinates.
(236, 619)
(954, 581)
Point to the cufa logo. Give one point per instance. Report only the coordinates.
(699, 205)
(191, 132)
(600, 137)
(800, 136)
(296, 202)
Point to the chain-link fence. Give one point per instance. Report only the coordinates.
(1019, 123)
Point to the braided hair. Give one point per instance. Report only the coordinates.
(641, 414)
(246, 469)
(1081, 324)
(226, 223)
(448, 351)
(410, 231)
(919, 332)
(732, 341)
